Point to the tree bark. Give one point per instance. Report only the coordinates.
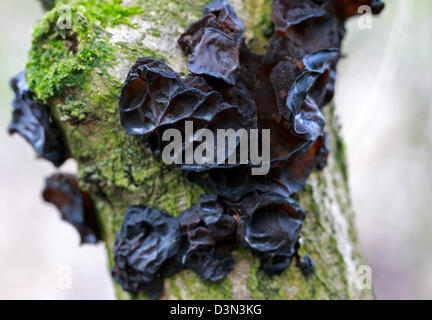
(119, 171)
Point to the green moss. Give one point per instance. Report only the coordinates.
(106, 13)
(62, 58)
(174, 288)
(206, 290)
(155, 32)
(253, 283)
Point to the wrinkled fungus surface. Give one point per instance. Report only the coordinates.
(74, 204)
(206, 229)
(154, 98)
(33, 121)
(229, 86)
(147, 239)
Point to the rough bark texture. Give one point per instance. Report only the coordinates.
(82, 71)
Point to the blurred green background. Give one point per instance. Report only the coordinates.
(384, 100)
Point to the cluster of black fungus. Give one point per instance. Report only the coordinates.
(75, 205)
(155, 98)
(232, 87)
(152, 245)
(34, 123)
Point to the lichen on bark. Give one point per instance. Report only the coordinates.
(79, 73)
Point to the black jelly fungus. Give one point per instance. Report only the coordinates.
(74, 204)
(147, 238)
(33, 121)
(229, 86)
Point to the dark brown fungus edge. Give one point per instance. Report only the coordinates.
(33, 121)
(75, 205)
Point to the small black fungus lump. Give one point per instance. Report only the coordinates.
(34, 123)
(306, 265)
(229, 86)
(75, 205)
(147, 238)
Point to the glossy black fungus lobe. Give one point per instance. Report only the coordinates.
(214, 42)
(270, 224)
(74, 204)
(34, 123)
(147, 238)
(306, 265)
(283, 90)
